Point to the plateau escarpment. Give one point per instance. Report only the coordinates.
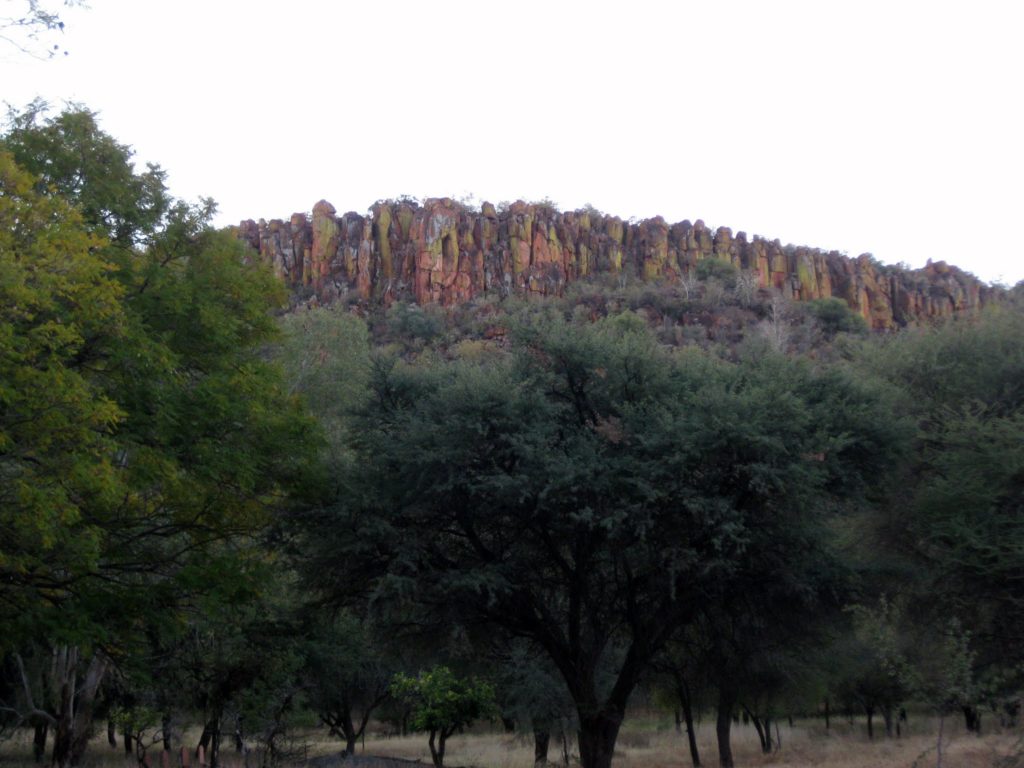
(443, 252)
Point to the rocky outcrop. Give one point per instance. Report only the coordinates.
(442, 252)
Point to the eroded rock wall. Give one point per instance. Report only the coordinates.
(442, 252)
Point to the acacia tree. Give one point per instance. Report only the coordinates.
(959, 524)
(532, 693)
(346, 678)
(591, 493)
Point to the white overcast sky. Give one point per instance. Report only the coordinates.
(894, 128)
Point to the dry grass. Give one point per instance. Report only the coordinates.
(803, 746)
(647, 744)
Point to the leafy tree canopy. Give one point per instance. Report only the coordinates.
(71, 157)
(592, 489)
(442, 703)
(141, 427)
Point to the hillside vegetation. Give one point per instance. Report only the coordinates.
(236, 519)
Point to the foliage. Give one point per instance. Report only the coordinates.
(957, 522)
(325, 353)
(59, 304)
(412, 325)
(347, 676)
(443, 703)
(591, 491)
(73, 159)
(716, 269)
(960, 522)
(141, 430)
(835, 316)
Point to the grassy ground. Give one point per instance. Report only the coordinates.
(803, 746)
(648, 744)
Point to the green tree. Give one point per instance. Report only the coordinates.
(72, 158)
(531, 692)
(325, 353)
(869, 671)
(58, 300)
(442, 704)
(347, 677)
(716, 269)
(835, 316)
(959, 524)
(591, 492)
(162, 432)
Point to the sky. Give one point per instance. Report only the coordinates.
(893, 128)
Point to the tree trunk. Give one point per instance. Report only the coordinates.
(972, 720)
(165, 731)
(827, 713)
(597, 737)
(887, 719)
(541, 740)
(679, 721)
(214, 753)
(126, 735)
(437, 749)
(204, 740)
(760, 733)
(870, 711)
(691, 734)
(348, 729)
(508, 724)
(39, 741)
(209, 741)
(723, 725)
(111, 734)
(74, 721)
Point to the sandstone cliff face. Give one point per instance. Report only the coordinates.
(442, 252)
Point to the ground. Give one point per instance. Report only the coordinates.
(644, 743)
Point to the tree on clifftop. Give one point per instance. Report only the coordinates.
(591, 492)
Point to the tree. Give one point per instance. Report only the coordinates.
(58, 300)
(870, 664)
(958, 525)
(591, 492)
(442, 704)
(325, 353)
(682, 666)
(346, 678)
(716, 269)
(532, 693)
(72, 158)
(835, 316)
(142, 428)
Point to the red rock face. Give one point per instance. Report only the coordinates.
(441, 252)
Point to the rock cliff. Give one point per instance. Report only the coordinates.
(441, 251)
